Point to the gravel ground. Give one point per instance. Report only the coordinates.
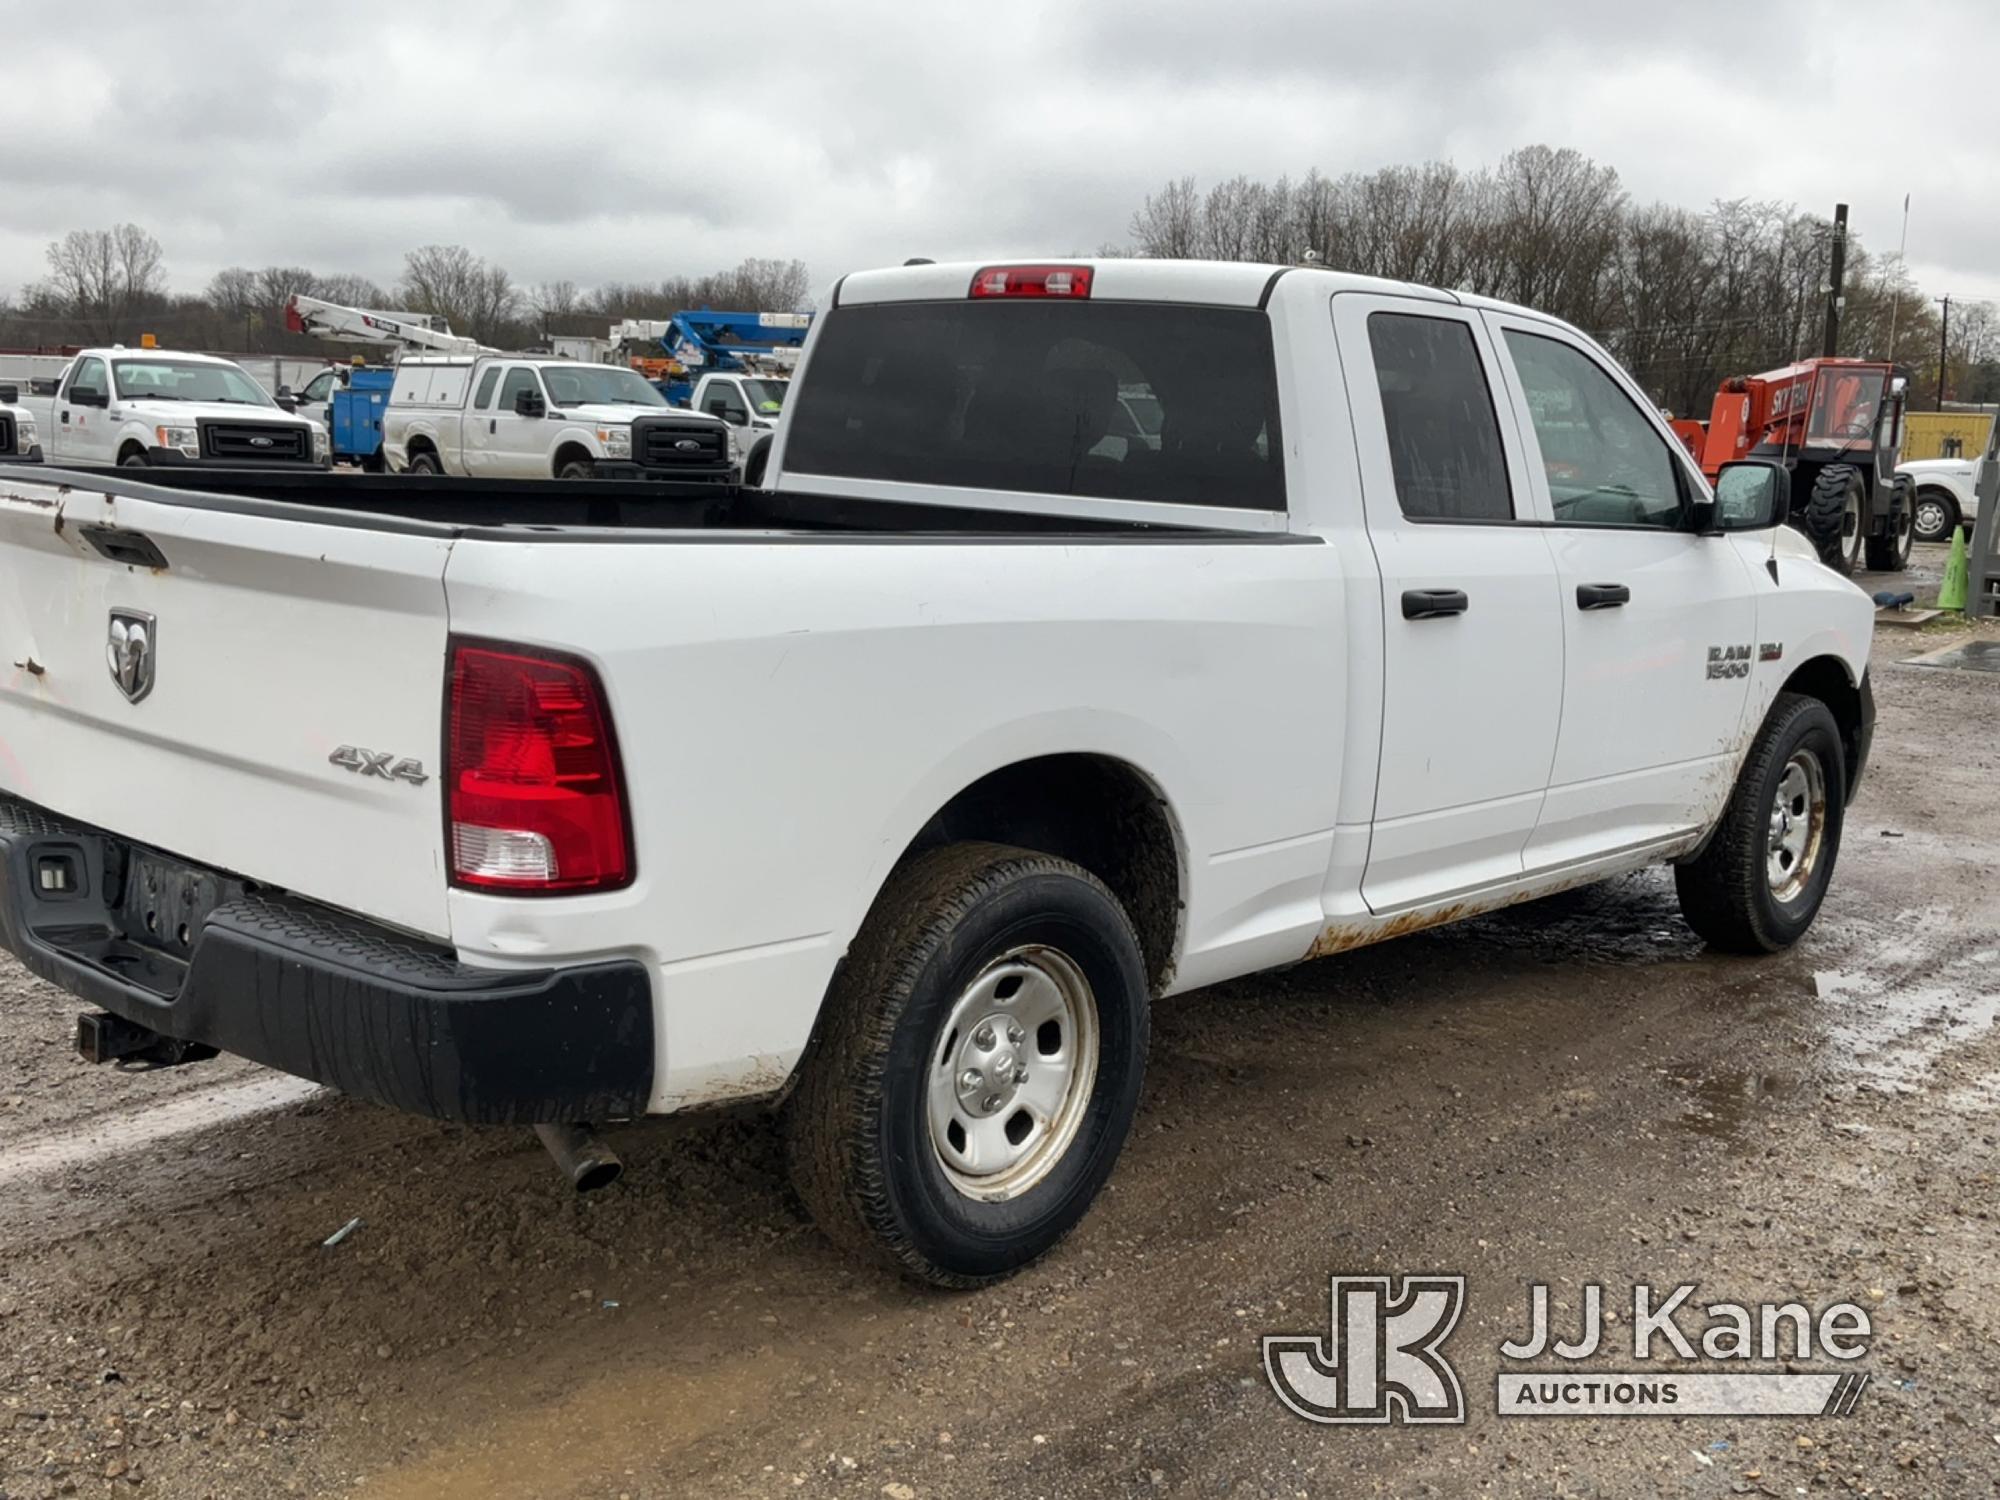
(1568, 1092)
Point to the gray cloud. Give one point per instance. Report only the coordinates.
(627, 142)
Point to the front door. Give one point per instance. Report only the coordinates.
(516, 446)
(83, 428)
(1472, 688)
(1659, 623)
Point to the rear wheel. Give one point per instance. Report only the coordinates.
(1758, 885)
(1836, 515)
(423, 461)
(1890, 553)
(1936, 516)
(978, 1068)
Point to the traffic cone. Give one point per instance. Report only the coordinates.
(1952, 594)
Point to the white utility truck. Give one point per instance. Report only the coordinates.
(518, 416)
(898, 791)
(135, 407)
(20, 428)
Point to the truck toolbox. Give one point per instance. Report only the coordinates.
(200, 956)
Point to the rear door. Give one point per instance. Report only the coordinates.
(482, 421)
(1473, 656)
(1659, 624)
(251, 653)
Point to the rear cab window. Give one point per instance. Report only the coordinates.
(1172, 403)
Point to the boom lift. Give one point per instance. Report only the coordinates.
(1837, 424)
(762, 343)
(402, 332)
(355, 409)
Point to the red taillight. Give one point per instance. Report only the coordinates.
(536, 797)
(1072, 282)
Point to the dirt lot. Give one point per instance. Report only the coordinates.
(1569, 1092)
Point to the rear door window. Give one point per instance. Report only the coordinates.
(1162, 402)
(1444, 436)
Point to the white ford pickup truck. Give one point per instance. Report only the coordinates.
(504, 416)
(139, 407)
(896, 792)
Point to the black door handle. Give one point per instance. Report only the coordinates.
(1602, 595)
(1431, 604)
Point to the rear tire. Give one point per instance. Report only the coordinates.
(1758, 885)
(425, 462)
(1891, 553)
(1936, 517)
(1836, 516)
(978, 1067)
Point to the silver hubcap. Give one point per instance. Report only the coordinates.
(1013, 1073)
(1930, 517)
(1798, 826)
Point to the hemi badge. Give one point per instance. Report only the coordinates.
(1771, 651)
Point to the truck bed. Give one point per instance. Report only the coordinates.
(534, 508)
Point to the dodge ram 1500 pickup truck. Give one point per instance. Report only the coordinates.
(897, 791)
(137, 407)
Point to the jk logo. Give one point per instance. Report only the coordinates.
(1381, 1362)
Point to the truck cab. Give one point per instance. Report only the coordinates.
(749, 404)
(509, 416)
(135, 407)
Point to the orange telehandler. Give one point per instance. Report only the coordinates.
(1837, 424)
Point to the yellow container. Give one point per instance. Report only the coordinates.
(1930, 434)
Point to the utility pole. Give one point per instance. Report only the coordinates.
(1944, 346)
(1835, 272)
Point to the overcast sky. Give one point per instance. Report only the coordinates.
(621, 142)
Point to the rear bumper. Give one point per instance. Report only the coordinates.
(329, 997)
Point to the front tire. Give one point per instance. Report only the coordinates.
(1837, 516)
(133, 459)
(1891, 553)
(978, 1068)
(576, 468)
(1936, 516)
(1758, 885)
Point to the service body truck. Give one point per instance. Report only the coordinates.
(897, 792)
(503, 416)
(135, 407)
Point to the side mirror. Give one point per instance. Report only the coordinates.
(88, 397)
(1753, 494)
(9, 394)
(284, 392)
(286, 400)
(528, 403)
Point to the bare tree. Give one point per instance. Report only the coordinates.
(476, 298)
(104, 278)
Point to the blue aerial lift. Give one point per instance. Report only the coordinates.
(674, 352)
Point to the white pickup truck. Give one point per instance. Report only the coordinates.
(135, 407)
(503, 416)
(898, 791)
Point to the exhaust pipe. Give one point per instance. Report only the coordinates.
(580, 1156)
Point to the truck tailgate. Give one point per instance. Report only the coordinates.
(271, 642)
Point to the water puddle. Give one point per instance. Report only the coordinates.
(1721, 1103)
